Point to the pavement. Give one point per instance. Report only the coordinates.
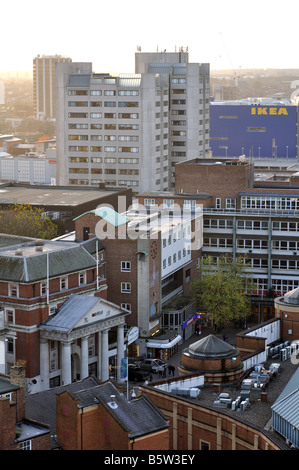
(229, 331)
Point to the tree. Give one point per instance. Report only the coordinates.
(221, 289)
(27, 221)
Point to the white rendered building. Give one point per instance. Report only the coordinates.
(129, 130)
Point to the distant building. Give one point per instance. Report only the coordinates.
(44, 85)
(30, 168)
(256, 128)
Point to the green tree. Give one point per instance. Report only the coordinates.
(221, 290)
(27, 221)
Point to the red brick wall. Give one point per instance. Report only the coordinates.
(220, 180)
(206, 425)
(7, 424)
(96, 429)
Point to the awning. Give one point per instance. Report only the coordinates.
(156, 344)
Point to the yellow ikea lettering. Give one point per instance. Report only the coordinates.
(272, 111)
(262, 111)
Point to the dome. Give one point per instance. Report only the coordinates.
(212, 347)
(292, 297)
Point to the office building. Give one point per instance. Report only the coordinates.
(130, 130)
(254, 219)
(151, 259)
(44, 85)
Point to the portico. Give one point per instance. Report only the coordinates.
(74, 342)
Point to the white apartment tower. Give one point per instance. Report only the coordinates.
(129, 130)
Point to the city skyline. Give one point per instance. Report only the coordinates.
(228, 35)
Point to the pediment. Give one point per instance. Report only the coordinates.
(80, 311)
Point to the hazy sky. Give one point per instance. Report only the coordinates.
(227, 34)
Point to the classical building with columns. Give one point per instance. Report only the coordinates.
(55, 319)
(74, 342)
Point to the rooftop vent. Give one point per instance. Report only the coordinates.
(19, 253)
(113, 403)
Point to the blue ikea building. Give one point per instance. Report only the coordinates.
(257, 127)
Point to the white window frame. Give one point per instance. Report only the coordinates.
(43, 288)
(126, 306)
(26, 445)
(125, 287)
(13, 290)
(125, 266)
(82, 278)
(63, 280)
(9, 312)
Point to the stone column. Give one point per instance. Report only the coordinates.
(84, 358)
(120, 349)
(66, 370)
(105, 357)
(44, 362)
(100, 355)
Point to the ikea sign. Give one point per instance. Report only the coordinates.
(269, 111)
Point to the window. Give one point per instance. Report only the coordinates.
(126, 287)
(10, 345)
(126, 306)
(168, 203)
(26, 445)
(230, 203)
(91, 346)
(82, 278)
(63, 283)
(149, 202)
(9, 315)
(43, 288)
(125, 266)
(218, 203)
(13, 290)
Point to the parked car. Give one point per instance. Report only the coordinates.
(137, 374)
(153, 365)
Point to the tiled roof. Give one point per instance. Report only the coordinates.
(27, 262)
(41, 406)
(138, 416)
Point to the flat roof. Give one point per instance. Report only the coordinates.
(50, 195)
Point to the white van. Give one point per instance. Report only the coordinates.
(154, 365)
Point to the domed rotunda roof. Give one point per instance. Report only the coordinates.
(212, 347)
(292, 297)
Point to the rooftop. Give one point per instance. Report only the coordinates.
(26, 259)
(49, 195)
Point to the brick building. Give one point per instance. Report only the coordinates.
(287, 309)
(17, 432)
(59, 334)
(152, 257)
(194, 426)
(102, 418)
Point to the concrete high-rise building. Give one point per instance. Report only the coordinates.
(189, 97)
(130, 130)
(44, 85)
